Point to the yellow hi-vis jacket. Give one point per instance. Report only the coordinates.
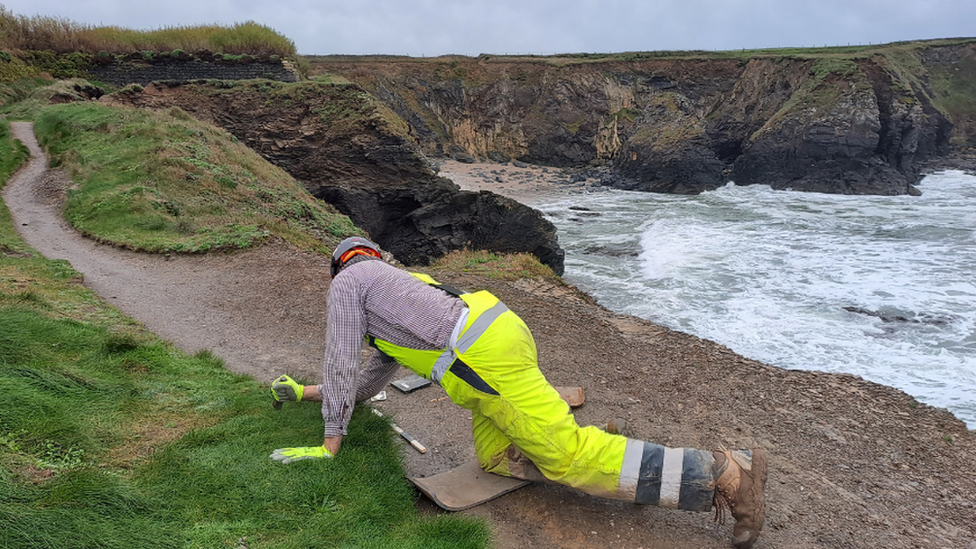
(482, 309)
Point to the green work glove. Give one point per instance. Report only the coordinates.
(289, 455)
(285, 388)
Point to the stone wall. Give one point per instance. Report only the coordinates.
(124, 73)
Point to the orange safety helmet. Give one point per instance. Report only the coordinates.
(350, 248)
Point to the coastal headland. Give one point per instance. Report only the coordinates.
(853, 463)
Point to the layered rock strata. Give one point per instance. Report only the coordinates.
(861, 123)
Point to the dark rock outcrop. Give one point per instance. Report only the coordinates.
(670, 152)
(418, 224)
(832, 145)
(348, 149)
(836, 129)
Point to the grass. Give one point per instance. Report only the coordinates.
(61, 35)
(332, 79)
(495, 265)
(345, 107)
(828, 79)
(110, 437)
(119, 441)
(954, 93)
(29, 96)
(671, 127)
(163, 182)
(12, 153)
(15, 92)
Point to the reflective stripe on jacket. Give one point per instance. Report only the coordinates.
(483, 309)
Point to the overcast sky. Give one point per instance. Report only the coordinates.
(436, 27)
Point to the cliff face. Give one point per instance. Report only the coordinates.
(854, 124)
(860, 122)
(349, 150)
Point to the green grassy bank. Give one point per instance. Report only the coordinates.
(164, 182)
(110, 437)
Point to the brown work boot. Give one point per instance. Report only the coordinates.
(739, 488)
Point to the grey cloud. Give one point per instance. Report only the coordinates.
(432, 27)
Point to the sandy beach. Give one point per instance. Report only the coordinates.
(530, 185)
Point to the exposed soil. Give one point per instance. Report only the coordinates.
(853, 463)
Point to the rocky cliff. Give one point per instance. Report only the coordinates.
(351, 151)
(851, 121)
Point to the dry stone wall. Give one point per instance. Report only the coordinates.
(122, 73)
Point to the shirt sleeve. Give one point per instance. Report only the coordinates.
(345, 333)
(375, 375)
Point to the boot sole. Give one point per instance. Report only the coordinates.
(759, 483)
(759, 466)
(758, 474)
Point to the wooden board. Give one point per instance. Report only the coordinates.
(465, 486)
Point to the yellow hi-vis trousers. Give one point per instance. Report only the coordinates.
(517, 414)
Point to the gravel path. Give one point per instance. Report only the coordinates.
(853, 464)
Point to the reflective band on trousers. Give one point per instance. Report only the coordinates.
(680, 478)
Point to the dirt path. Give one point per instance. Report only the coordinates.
(197, 302)
(853, 464)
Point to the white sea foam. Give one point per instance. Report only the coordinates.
(881, 287)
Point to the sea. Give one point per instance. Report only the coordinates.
(880, 287)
